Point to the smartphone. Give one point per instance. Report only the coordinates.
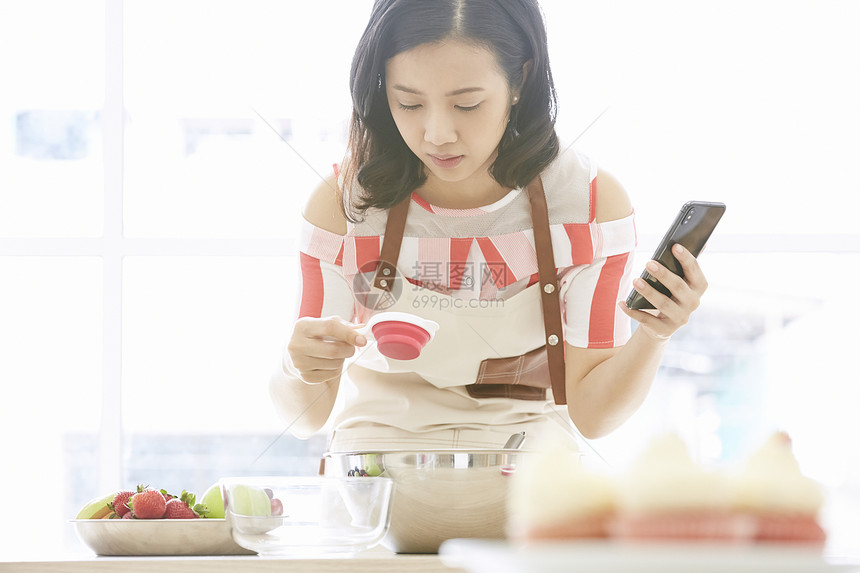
(692, 227)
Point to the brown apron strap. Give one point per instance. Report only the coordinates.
(550, 303)
(390, 250)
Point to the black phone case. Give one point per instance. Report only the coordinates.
(692, 228)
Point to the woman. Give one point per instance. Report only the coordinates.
(452, 159)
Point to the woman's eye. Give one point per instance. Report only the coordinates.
(468, 107)
(409, 107)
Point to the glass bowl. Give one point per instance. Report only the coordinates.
(307, 516)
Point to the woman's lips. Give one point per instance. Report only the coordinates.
(447, 161)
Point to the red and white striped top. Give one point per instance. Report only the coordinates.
(488, 253)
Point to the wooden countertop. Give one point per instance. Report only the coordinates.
(369, 562)
(373, 561)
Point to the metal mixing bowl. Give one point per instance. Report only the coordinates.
(438, 494)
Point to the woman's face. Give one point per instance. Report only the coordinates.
(451, 103)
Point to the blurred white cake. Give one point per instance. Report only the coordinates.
(772, 489)
(554, 496)
(666, 494)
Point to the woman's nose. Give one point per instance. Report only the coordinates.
(439, 129)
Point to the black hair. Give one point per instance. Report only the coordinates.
(379, 161)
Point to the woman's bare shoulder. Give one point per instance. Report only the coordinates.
(323, 207)
(612, 201)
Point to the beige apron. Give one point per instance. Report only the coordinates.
(516, 351)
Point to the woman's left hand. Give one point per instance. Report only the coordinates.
(671, 312)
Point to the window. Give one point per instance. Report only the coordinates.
(152, 171)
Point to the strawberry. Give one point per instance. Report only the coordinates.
(148, 504)
(120, 500)
(183, 507)
(178, 509)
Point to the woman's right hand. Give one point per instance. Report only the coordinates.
(319, 347)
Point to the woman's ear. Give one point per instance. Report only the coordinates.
(527, 68)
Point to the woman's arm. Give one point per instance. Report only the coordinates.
(606, 386)
(305, 388)
(306, 405)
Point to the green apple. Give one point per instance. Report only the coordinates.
(371, 467)
(213, 501)
(97, 508)
(250, 500)
(373, 470)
